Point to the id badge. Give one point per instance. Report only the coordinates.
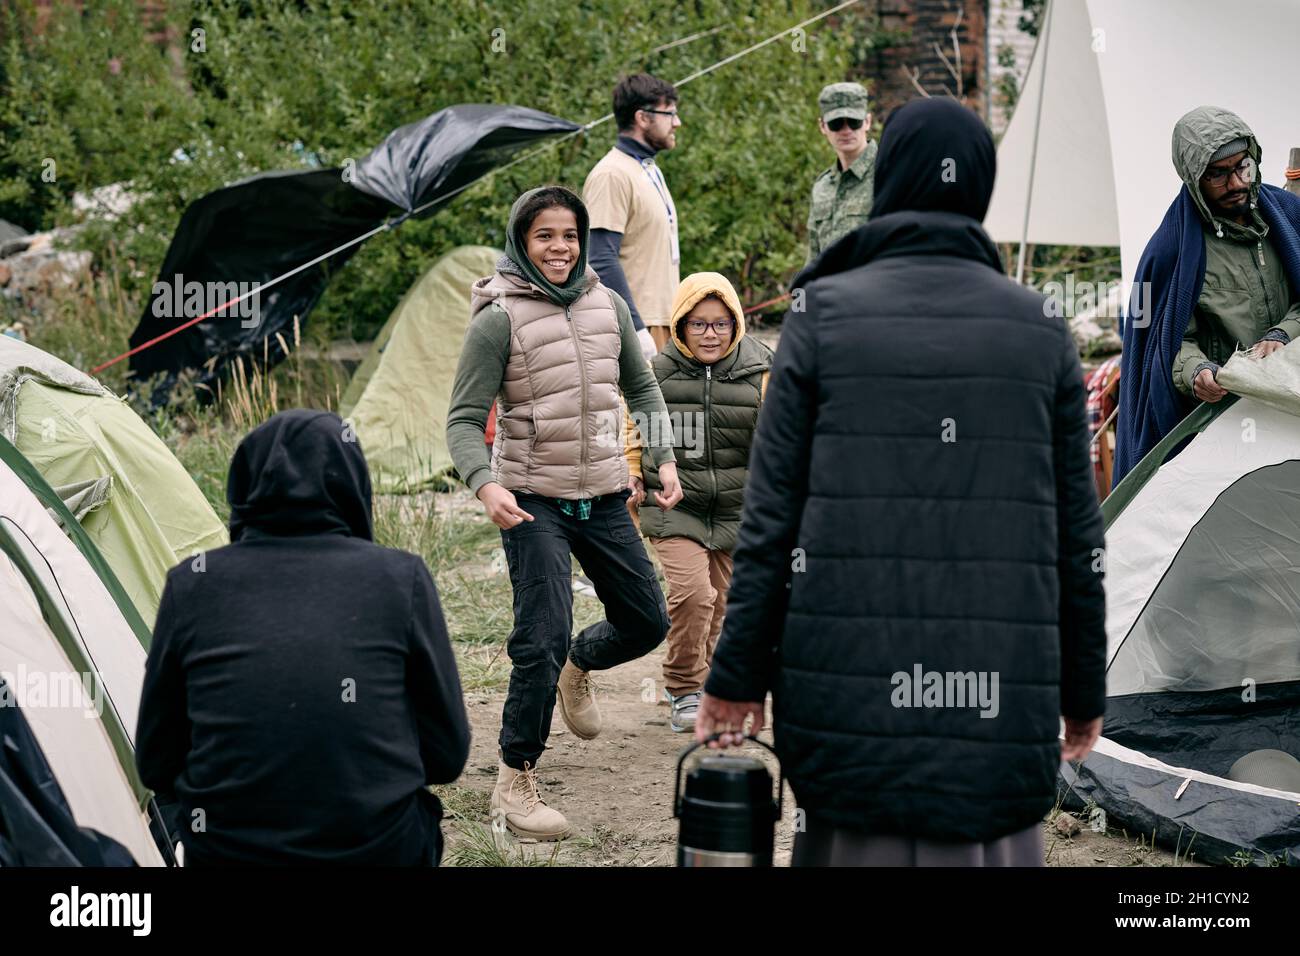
(673, 249)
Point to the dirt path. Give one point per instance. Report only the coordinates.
(617, 790)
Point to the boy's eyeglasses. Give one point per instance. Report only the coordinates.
(836, 125)
(698, 326)
(1245, 170)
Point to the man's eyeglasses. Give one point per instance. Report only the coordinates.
(673, 113)
(1245, 170)
(697, 326)
(836, 125)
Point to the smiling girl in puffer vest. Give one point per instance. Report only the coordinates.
(555, 348)
(712, 378)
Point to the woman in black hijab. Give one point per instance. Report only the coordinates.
(923, 448)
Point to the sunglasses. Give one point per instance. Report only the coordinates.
(836, 125)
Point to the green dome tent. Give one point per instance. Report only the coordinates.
(397, 400)
(135, 501)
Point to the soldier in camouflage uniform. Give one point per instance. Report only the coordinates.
(841, 196)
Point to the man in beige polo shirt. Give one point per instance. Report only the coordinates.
(634, 246)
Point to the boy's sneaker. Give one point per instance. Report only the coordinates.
(684, 711)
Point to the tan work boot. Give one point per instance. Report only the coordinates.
(517, 801)
(578, 701)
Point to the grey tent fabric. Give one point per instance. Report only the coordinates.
(1203, 627)
(83, 497)
(1228, 608)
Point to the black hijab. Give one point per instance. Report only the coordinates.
(300, 472)
(935, 156)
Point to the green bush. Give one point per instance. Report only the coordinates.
(254, 86)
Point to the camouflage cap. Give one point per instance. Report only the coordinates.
(843, 99)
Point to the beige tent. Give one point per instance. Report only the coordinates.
(71, 662)
(397, 400)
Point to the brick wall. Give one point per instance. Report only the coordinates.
(929, 22)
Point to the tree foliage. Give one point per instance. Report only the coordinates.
(252, 86)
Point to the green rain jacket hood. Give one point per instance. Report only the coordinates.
(1196, 137)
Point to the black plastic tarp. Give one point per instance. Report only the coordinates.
(244, 235)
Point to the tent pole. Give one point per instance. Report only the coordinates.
(1033, 153)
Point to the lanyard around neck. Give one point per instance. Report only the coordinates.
(656, 178)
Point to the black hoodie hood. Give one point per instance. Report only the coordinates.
(299, 473)
(934, 180)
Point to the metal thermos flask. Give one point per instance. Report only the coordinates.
(728, 816)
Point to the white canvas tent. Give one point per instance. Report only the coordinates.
(73, 664)
(1095, 136)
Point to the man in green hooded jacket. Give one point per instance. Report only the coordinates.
(1245, 300)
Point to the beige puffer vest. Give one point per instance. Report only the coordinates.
(559, 417)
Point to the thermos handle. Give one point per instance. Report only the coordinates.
(677, 786)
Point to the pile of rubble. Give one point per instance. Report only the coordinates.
(32, 266)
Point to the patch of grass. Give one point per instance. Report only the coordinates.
(1182, 854)
(204, 445)
(91, 321)
(480, 611)
(448, 531)
(481, 668)
(1244, 858)
(477, 845)
(1143, 852)
(462, 803)
(608, 844)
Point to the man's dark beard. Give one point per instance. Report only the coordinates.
(658, 143)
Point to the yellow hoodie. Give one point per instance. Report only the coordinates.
(692, 290)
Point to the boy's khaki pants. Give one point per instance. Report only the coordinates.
(698, 579)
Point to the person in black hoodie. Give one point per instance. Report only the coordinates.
(923, 455)
(300, 692)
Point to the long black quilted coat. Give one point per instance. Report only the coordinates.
(920, 493)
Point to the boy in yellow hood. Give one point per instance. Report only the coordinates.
(712, 378)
